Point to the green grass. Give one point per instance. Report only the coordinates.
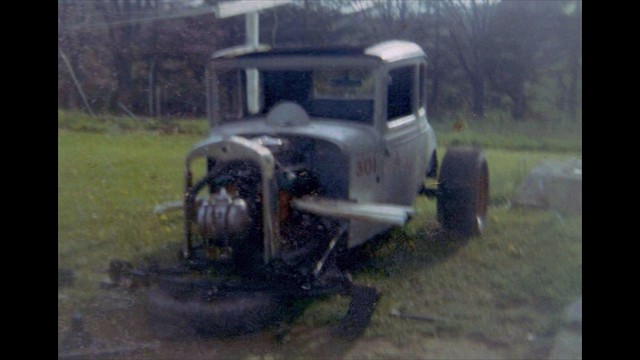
(512, 281)
(501, 133)
(107, 188)
(498, 288)
(78, 121)
(508, 169)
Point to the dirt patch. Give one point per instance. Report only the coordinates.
(487, 302)
(425, 348)
(117, 323)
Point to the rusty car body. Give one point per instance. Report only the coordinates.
(335, 132)
(312, 152)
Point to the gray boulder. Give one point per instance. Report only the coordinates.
(553, 185)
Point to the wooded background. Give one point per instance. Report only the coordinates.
(520, 60)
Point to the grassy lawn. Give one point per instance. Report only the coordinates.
(108, 186)
(501, 288)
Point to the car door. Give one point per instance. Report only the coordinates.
(403, 138)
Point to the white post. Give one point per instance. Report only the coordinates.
(250, 8)
(252, 28)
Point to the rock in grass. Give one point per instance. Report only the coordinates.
(573, 313)
(553, 185)
(568, 341)
(66, 277)
(77, 337)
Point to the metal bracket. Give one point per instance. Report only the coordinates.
(430, 193)
(320, 264)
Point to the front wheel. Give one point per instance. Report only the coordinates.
(219, 315)
(463, 191)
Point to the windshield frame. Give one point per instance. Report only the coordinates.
(288, 63)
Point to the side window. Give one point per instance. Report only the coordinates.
(400, 92)
(230, 92)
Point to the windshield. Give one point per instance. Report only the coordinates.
(329, 92)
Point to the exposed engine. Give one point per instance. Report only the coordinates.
(224, 219)
(231, 216)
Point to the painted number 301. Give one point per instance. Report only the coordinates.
(365, 166)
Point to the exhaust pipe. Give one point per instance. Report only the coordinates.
(383, 213)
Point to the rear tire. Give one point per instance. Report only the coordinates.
(432, 173)
(463, 192)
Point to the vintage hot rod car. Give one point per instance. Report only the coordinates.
(312, 152)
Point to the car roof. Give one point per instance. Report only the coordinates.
(387, 51)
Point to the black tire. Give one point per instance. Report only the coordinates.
(463, 191)
(230, 314)
(432, 173)
(358, 317)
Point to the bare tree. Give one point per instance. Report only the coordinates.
(516, 30)
(469, 30)
(575, 59)
(482, 54)
(122, 42)
(71, 47)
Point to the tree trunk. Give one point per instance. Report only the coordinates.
(152, 70)
(432, 103)
(124, 81)
(562, 91)
(435, 82)
(73, 60)
(477, 106)
(573, 89)
(574, 62)
(519, 105)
